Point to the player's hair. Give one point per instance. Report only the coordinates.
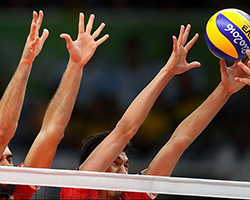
(91, 142)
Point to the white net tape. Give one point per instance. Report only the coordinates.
(123, 182)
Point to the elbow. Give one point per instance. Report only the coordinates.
(7, 131)
(126, 128)
(53, 135)
(181, 144)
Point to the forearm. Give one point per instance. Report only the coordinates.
(56, 119)
(143, 103)
(128, 125)
(196, 122)
(187, 132)
(12, 100)
(61, 106)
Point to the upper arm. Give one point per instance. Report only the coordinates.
(42, 151)
(106, 152)
(164, 162)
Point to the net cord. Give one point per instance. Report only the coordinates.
(125, 182)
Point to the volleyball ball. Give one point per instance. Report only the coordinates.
(227, 34)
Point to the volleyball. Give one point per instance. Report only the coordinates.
(227, 34)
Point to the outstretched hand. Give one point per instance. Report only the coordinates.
(177, 63)
(34, 43)
(228, 75)
(83, 48)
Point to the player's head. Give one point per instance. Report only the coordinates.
(6, 160)
(92, 141)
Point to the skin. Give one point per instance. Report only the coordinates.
(103, 157)
(245, 67)
(60, 108)
(189, 129)
(12, 100)
(6, 160)
(120, 165)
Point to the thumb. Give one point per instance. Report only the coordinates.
(223, 66)
(67, 38)
(194, 64)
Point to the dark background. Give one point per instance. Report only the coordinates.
(140, 43)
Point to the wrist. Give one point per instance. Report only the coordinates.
(25, 63)
(76, 63)
(225, 90)
(167, 73)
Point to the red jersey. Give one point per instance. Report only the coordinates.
(75, 193)
(23, 191)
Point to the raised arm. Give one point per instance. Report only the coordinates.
(189, 129)
(13, 97)
(59, 111)
(101, 158)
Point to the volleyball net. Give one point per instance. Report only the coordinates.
(52, 180)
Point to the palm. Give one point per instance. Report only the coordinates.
(229, 73)
(180, 64)
(83, 48)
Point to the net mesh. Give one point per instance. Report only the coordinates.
(79, 184)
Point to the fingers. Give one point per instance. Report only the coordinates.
(103, 39)
(98, 31)
(192, 41)
(81, 24)
(90, 23)
(174, 44)
(186, 33)
(245, 81)
(180, 38)
(244, 67)
(34, 19)
(39, 22)
(44, 36)
(32, 31)
(34, 43)
(183, 36)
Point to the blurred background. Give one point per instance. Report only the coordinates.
(140, 43)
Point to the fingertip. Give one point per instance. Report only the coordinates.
(62, 35)
(197, 64)
(106, 36)
(46, 32)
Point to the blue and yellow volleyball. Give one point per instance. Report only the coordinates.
(227, 34)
